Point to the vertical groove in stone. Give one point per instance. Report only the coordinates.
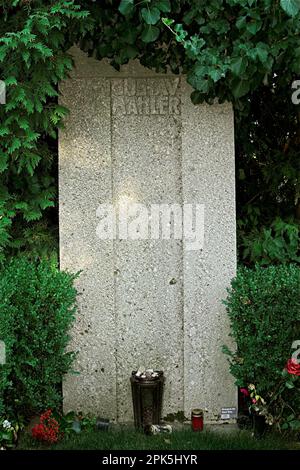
(182, 251)
(113, 252)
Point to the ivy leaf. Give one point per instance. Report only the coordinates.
(128, 52)
(126, 7)
(129, 36)
(199, 83)
(291, 7)
(253, 27)
(151, 15)
(241, 22)
(167, 21)
(240, 88)
(196, 97)
(262, 53)
(164, 5)
(216, 74)
(239, 65)
(150, 34)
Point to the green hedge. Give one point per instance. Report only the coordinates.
(37, 307)
(264, 310)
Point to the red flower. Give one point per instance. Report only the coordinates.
(245, 392)
(293, 367)
(47, 430)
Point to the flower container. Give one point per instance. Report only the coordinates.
(147, 395)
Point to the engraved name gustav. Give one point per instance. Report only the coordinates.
(148, 96)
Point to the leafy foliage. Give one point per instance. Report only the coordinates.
(37, 306)
(278, 243)
(268, 175)
(245, 51)
(229, 48)
(291, 7)
(264, 310)
(34, 37)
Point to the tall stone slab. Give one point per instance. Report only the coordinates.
(135, 136)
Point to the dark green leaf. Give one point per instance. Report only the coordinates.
(239, 65)
(240, 88)
(126, 7)
(151, 15)
(291, 7)
(163, 5)
(150, 33)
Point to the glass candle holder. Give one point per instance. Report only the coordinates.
(197, 420)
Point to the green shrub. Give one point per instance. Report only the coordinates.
(277, 244)
(264, 310)
(37, 307)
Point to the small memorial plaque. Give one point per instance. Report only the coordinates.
(229, 413)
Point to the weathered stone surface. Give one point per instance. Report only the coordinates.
(135, 135)
(208, 178)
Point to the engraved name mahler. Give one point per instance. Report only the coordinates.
(145, 96)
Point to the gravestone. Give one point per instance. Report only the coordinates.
(151, 300)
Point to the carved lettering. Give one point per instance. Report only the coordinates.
(131, 107)
(118, 105)
(143, 104)
(117, 86)
(148, 96)
(163, 104)
(129, 87)
(174, 105)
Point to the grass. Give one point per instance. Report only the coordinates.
(128, 439)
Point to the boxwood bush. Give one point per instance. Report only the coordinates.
(264, 310)
(37, 308)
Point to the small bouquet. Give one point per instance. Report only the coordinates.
(8, 433)
(257, 404)
(47, 430)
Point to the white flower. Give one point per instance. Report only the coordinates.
(6, 424)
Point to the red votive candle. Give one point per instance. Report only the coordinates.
(197, 420)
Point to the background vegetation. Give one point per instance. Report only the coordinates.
(264, 311)
(37, 307)
(245, 51)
